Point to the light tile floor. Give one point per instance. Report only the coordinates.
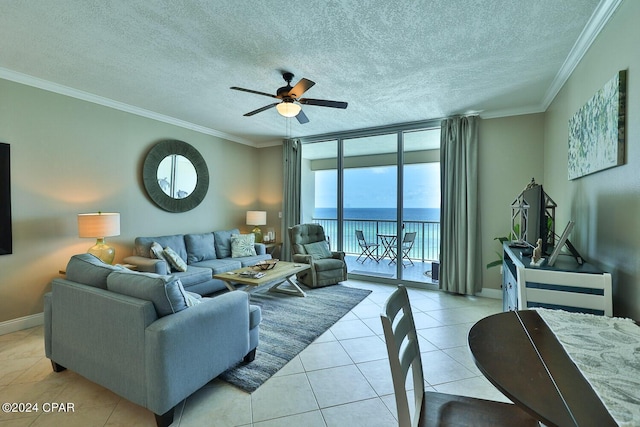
(341, 379)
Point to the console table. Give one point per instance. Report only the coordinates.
(515, 257)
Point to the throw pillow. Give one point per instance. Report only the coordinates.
(243, 245)
(192, 298)
(318, 250)
(174, 259)
(157, 252)
(165, 292)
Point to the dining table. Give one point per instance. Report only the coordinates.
(580, 371)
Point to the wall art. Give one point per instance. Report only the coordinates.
(597, 130)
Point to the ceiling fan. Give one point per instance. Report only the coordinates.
(289, 106)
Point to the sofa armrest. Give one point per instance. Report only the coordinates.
(185, 350)
(338, 255)
(148, 265)
(303, 258)
(261, 248)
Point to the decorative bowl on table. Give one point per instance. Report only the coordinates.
(267, 264)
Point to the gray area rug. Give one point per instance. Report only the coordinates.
(289, 325)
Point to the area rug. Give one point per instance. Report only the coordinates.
(289, 325)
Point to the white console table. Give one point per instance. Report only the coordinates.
(514, 259)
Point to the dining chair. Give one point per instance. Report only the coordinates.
(407, 244)
(432, 408)
(368, 249)
(589, 293)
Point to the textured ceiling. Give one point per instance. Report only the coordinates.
(393, 61)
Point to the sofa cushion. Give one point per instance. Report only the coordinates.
(318, 250)
(165, 292)
(248, 261)
(200, 247)
(217, 266)
(222, 241)
(176, 262)
(89, 270)
(243, 245)
(193, 276)
(175, 242)
(327, 264)
(157, 251)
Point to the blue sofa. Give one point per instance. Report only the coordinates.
(142, 336)
(205, 254)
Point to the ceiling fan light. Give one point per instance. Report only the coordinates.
(288, 109)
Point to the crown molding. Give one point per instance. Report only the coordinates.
(508, 112)
(95, 99)
(598, 20)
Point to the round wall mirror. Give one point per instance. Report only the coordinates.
(175, 176)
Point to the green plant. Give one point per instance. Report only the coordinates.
(501, 240)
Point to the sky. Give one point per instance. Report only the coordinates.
(375, 187)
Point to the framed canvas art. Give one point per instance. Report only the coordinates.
(597, 130)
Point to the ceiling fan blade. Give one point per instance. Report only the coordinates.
(301, 87)
(253, 91)
(260, 110)
(302, 118)
(323, 103)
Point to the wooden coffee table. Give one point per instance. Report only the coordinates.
(280, 274)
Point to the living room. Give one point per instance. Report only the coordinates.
(71, 155)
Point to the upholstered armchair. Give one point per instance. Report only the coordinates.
(309, 245)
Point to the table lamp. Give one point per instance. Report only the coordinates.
(100, 225)
(257, 218)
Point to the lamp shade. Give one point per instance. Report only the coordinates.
(98, 225)
(288, 109)
(256, 217)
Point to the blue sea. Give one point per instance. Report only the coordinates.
(410, 214)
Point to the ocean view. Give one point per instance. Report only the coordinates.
(410, 214)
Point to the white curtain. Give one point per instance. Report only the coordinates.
(291, 192)
(460, 248)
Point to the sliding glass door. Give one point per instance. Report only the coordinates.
(377, 195)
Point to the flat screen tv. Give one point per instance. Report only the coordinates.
(535, 222)
(6, 241)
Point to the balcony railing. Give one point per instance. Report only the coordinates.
(426, 246)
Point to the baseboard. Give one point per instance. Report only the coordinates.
(490, 293)
(21, 323)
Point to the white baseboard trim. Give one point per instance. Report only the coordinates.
(490, 293)
(21, 323)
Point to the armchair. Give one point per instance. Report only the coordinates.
(309, 246)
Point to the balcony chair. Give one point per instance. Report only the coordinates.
(368, 249)
(431, 408)
(309, 245)
(407, 244)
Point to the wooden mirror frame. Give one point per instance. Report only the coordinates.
(150, 178)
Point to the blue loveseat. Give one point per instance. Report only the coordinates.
(205, 254)
(141, 335)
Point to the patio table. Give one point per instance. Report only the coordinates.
(389, 244)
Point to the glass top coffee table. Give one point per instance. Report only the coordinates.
(279, 275)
